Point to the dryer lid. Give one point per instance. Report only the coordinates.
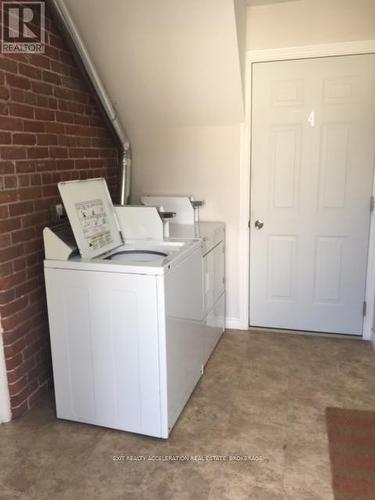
(92, 216)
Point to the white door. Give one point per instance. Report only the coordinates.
(313, 141)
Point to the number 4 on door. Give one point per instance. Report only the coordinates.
(311, 118)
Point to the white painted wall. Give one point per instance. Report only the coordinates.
(203, 161)
(307, 22)
(5, 414)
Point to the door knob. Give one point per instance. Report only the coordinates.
(259, 224)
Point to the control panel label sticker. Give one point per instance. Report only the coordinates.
(94, 222)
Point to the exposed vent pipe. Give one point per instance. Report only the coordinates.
(126, 155)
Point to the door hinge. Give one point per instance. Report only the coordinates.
(364, 308)
(248, 224)
(372, 203)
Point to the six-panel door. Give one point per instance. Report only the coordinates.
(313, 136)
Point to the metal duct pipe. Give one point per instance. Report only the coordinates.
(125, 176)
(126, 154)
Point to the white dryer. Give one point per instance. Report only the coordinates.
(184, 226)
(124, 320)
(212, 237)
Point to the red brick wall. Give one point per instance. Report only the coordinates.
(50, 130)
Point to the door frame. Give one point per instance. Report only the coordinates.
(5, 413)
(284, 54)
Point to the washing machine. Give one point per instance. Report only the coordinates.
(124, 318)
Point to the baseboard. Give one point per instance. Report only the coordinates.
(5, 413)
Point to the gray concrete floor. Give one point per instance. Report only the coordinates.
(263, 394)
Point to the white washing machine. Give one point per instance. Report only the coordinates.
(125, 319)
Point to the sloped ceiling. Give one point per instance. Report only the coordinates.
(165, 62)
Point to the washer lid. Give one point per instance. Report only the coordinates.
(92, 216)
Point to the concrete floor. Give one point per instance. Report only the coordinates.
(263, 394)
